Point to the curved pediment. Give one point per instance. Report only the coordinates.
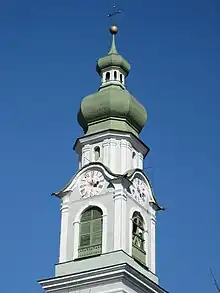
(91, 166)
(138, 175)
(110, 177)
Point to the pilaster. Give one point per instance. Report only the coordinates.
(64, 228)
(86, 157)
(120, 220)
(105, 146)
(76, 227)
(123, 144)
(112, 154)
(140, 160)
(152, 244)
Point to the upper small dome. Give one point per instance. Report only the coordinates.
(113, 58)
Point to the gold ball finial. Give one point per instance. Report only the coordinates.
(113, 29)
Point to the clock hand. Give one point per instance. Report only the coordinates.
(96, 184)
(90, 182)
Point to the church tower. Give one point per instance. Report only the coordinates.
(108, 208)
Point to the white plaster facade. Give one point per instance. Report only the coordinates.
(117, 205)
(120, 161)
(117, 274)
(119, 152)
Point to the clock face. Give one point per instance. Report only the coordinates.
(139, 190)
(91, 183)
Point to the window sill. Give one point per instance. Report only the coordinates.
(88, 251)
(138, 254)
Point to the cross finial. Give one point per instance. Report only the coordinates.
(116, 11)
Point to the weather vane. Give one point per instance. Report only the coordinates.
(117, 11)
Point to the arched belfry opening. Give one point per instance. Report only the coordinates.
(138, 241)
(90, 238)
(107, 76)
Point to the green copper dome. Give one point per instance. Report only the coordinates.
(112, 107)
(113, 59)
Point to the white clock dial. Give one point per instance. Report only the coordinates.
(91, 183)
(139, 190)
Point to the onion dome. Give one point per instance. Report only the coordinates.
(112, 107)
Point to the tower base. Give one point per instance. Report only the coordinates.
(114, 272)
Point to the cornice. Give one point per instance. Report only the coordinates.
(117, 134)
(118, 273)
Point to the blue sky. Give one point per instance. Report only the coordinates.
(48, 54)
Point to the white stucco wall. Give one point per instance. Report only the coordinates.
(117, 154)
(118, 206)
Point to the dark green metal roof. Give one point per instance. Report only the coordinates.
(113, 59)
(111, 108)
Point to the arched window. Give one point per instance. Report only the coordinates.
(107, 76)
(90, 240)
(115, 75)
(138, 251)
(97, 153)
(121, 78)
(134, 165)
